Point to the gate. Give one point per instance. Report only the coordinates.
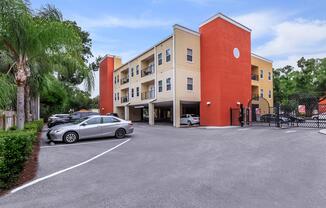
(297, 111)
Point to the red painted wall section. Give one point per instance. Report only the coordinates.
(106, 85)
(225, 80)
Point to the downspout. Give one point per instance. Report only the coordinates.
(174, 79)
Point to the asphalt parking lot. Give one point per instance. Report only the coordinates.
(162, 166)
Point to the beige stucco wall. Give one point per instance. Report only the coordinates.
(164, 71)
(185, 69)
(264, 83)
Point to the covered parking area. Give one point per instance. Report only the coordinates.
(158, 113)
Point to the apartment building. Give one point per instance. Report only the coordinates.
(189, 72)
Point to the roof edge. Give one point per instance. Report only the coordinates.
(262, 58)
(109, 56)
(132, 59)
(180, 27)
(226, 18)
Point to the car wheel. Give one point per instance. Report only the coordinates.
(120, 133)
(70, 137)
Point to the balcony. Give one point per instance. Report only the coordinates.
(148, 95)
(148, 71)
(124, 80)
(255, 77)
(124, 99)
(255, 97)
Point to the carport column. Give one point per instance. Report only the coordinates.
(151, 113)
(176, 113)
(127, 112)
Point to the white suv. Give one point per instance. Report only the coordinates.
(189, 119)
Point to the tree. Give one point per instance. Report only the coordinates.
(306, 84)
(25, 38)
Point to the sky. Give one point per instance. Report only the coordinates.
(282, 30)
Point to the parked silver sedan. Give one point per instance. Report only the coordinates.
(91, 127)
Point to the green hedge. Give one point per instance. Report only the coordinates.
(15, 148)
(38, 125)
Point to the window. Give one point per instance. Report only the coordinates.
(118, 78)
(261, 74)
(96, 120)
(168, 84)
(159, 57)
(269, 76)
(137, 91)
(168, 55)
(189, 54)
(132, 71)
(261, 92)
(270, 94)
(137, 69)
(189, 83)
(110, 120)
(160, 86)
(132, 92)
(118, 96)
(115, 79)
(115, 96)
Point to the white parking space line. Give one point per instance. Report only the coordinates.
(81, 143)
(67, 169)
(243, 129)
(290, 131)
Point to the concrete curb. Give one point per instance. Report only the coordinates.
(218, 127)
(323, 131)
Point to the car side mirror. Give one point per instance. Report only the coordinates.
(84, 124)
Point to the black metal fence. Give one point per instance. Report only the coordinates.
(298, 111)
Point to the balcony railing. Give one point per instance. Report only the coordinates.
(255, 77)
(148, 71)
(148, 95)
(255, 96)
(124, 99)
(124, 80)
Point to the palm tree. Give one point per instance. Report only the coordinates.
(25, 38)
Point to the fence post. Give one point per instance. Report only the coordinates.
(14, 119)
(4, 121)
(230, 116)
(277, 115)
(241, 115)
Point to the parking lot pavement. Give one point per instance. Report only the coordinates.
(162, 166)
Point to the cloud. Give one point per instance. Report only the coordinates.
(123, 22)
(298, 36)
(292, 59)
(262, 23)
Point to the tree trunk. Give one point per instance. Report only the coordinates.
(21, 75)
(20, 107)
(27, 103)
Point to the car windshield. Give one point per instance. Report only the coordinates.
(78, 121)
(194, 115)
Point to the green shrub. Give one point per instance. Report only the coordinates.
(13, 128)
(34, 125)
(15, 148)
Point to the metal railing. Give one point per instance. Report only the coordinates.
(124, 80)
(255, 77)
(255, 97)
(148, 95)
(148, 71)
(124, 99)
(7, 120)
